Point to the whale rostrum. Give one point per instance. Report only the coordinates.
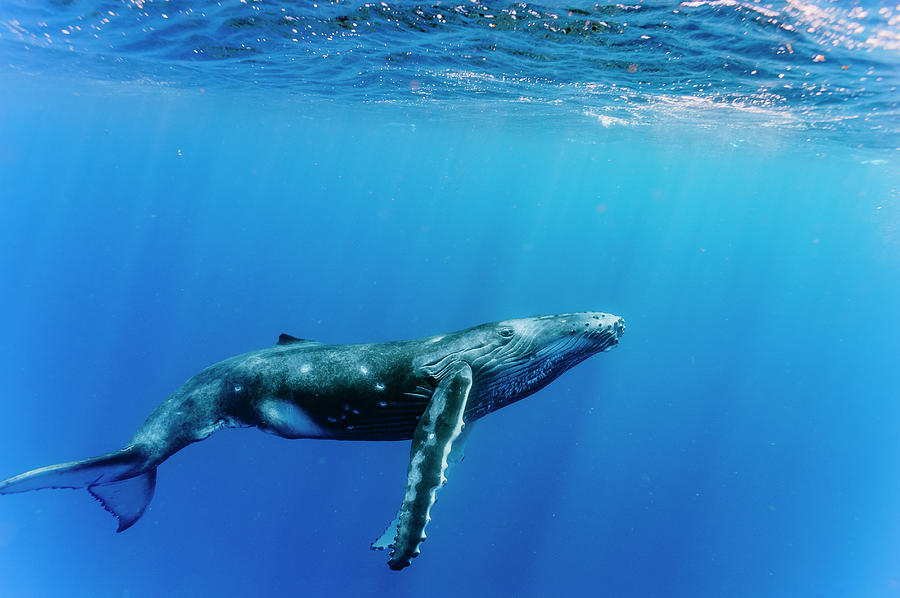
(430, 390)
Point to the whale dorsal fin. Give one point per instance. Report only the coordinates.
(287, 339)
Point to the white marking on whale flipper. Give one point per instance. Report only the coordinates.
(433, 441)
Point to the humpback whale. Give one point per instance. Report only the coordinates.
(430, 390)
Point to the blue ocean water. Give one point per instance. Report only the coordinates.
(181, 182)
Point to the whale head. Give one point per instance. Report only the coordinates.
(526, 354)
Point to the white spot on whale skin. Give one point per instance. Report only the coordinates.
(238, 388)
(304, 368)
(379, 387)
(382, 403)
(363, 369)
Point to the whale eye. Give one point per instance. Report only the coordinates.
(506, 332)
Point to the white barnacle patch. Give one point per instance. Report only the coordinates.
(364, 370)
(304, 369)
(379, 386)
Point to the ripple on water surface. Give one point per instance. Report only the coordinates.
(831, 66)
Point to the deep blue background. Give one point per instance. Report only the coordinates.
(741, 441)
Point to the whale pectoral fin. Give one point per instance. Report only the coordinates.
(126, 499)
(433, 442)
(386, 540)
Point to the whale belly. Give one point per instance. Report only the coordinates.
(286, 419)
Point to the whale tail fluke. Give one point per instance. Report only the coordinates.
(128, 499)
(118, 480)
